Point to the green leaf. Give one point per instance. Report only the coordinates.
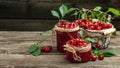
(91, 39)
(32, 48)
(75, 14)
(83, 16)
(55, 13)
(97, 52)
(110, 53)
(98, 8)
(63, 10)
(70, 10)
(46, 32)
(37, 52)
(81, 33)
(114, 11)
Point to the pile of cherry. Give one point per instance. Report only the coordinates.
(86, 24)
(69, 25)
(78, 42)
(91, 25)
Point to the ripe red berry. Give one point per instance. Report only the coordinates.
(42, 49)
(72, 42)
(91, 28)
(101, 57)
(62, 25)
(48, 49)
(93, 58)
(97, 45)
(108, 26)
(78, 40)
(79, 22)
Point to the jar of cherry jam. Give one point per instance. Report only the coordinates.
(78, 50)
(65, 32)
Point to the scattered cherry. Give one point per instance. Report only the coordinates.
(97, 45)
(48, 49)
(101, 57)
(93, 58)
(42, 49)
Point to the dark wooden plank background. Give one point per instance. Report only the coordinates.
(35, 14)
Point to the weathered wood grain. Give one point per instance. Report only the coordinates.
(14, 53)
(58, 61)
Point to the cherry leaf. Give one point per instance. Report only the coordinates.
(91, 39)
(32, 48)
(98, 8)
(114, 11)
(109, 53)
(81, 33)
(70, 10)
(37, 52)
(55, 13)
(63, 10)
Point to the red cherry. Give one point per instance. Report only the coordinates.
(62, 25)
(42, 49)
(80, 44)
(84, 43)
(101, 57)
(48, 49)
(90, 24)
(78, 40)
(72, 25)
(85, 26)
(103, 26)
(93, 58)
(97, 45)
(95, 24)
(79, 22)
(98, 28)
(91, 28)
(72, 42)
(108, 26)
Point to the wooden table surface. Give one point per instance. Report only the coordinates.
(14, 52)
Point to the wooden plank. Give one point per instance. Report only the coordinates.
(27, 35)
(14, 53)
(58, 61)
(18, 42)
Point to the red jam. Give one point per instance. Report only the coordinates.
(63, 37)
